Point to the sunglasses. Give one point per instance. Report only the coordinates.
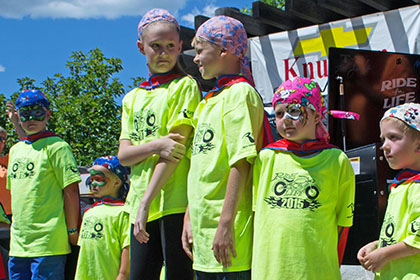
(3, 139)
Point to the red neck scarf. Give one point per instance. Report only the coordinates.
(34, 137)
(225, 81)
(107, 200)
(406, 175)
(157, 80)
(307, 147)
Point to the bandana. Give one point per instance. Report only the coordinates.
(225, 81)
(157, 80)
(30, 98)
(112, 164)
(406, 175)
(306, 147)
(34, 137)
(107, 200)
(153, 16)
(229, 34)
(409, 113)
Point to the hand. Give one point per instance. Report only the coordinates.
(366, 250)
(187, 238)
(170, 149)
(139, 230)
(11, 112)
(375, 260)
(223, 243)
(73, 238)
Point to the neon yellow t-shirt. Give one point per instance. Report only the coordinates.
(299, 202)
(148, 115)
(228, 128)
(105, 232)
(37, 175)
(402, 224)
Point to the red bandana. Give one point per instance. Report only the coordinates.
(156, 80)
(404, 176)
(225, 81)
(34, 137)
(107, 200)
(309, 146)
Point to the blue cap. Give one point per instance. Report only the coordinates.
(32, 97)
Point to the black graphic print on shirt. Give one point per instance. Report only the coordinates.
(21, 168)
(145, 124)
(293, 191)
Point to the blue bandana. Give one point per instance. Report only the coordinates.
(30, 98)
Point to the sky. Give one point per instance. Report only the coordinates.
(37, 37)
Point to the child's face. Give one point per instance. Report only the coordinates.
(161, 45)
(209, 60)
(103, 182)
(399, 148)
(33, 118)
(296, 123)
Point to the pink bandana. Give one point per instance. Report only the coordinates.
(307, 93)
(229, 34)
(155, 15)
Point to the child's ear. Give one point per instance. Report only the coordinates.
(318, 117)
(180, 45)
(140, 46)
(417, 150)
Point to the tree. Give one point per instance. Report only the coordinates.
(276, 3)
(84, 110)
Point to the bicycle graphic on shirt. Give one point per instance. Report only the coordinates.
(294, 191)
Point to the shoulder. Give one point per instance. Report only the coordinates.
(184, 82)
(131, 94)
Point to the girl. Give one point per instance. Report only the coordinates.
(156, 128)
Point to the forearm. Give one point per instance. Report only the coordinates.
(129, 154)
(125, 265)
(72, 205)
(237, 180)
(19, 130)
(161, 174)
(399, 250)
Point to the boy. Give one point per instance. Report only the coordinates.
(396, 255)
(105, 233)
(228, 135)
(303, 191)
(43, 179)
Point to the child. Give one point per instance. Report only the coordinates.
(43, 179)
(303, 191)
(228, 135)
(4, 223)
(396, 255)
(156, 126)
(105, 232)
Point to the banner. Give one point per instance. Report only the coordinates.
(304, 52)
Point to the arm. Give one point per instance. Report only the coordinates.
(10, 110)
(187, 238)
(125, 264)
(376, 259)
(166, 147)
(225, 233)
(72, 209)
(163, 170)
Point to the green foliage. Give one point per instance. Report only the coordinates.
(85, 112)
(276, 3)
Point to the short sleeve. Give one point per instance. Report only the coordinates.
(345, 202)
(243, 123)
(256, 180)
(63, 164)
(125, 117)
(185, 97)
(413, 230)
